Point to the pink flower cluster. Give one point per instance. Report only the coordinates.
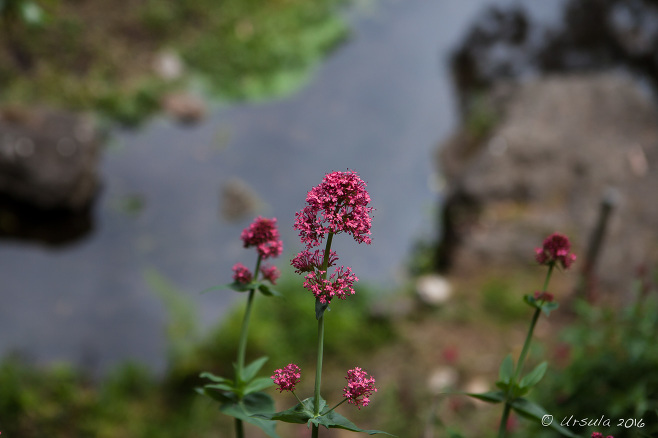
(544, 296)
(241, 274)
(264, 235)
(359, 387)
(555, 249)
(338, 204)
(339, 284)
(600, 435)
(287, 377)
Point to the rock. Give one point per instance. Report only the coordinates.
(442, 379)
(558, 145)
(184, 107)
(48, 159)
(433, 289)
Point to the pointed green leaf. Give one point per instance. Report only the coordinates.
(269, 291)
(258, 385)
(220, 396)
(252, 369)
(506, 369)
(547, 308)
(214, 378)
(333, 420)
(489, 397)
(301, 413)
(534, 376)
(534, 412)
(531, 301)
(252, 404)
(221, 387)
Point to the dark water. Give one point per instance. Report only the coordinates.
(379, 105)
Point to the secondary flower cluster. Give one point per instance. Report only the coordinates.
(338, 205)
(359, 387)
(600, 435)
(554, 250)
(264, 235)
(287, 377)
(358, 390)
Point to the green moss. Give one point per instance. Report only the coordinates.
(87, 56)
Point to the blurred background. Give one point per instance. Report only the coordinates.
(138, 139)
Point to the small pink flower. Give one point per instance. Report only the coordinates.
(287, 377)
(555, 249)
(339, 284)
(544, 296)
(338, 204)
(359, 387)
(307, 261)
(264, 235)
(241, 274)
(270, 273)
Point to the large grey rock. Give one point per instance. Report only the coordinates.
(48, 159)
(557, 146)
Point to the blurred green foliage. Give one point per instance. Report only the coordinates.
(61, 402)
(94, 55)
(612, 368)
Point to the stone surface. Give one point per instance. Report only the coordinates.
(557, 146)
(48, 159)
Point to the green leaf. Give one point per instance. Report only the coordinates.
(534, 412)
(220, 396)
(258, 385)
(214, 378)
(266, 290)
(221, 387)
(547, 308)
(301, 413)
(320, 308)
(252, 369)
(534, 376)
(489, 397)
(333, 420)
(250, 409)
(506, 369)
(238, 287)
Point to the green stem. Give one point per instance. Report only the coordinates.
(242, 347)
(244, 331)
(528, 338)
(318, 367)
(239, 429)
(502, 430)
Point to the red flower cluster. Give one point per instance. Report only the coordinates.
(264, 235)
(270, 273)
(359, 387)
(338, 204)
(241, 274)
(600, 435)
(340, 284)
(544, 296)
(287, 377)
(555, 250)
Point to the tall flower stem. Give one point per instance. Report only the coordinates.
(242, 346)
(318, 368)
(524, 352)
(244, 331)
